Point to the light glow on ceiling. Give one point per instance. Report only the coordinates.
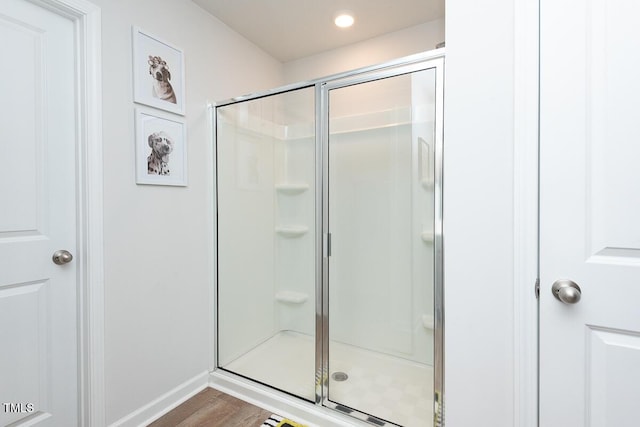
(344, 19)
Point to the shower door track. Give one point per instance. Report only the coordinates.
(256, 391)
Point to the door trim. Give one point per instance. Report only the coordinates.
(525, 205)
(86, 18)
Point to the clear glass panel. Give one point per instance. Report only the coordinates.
(381, 269)
(266, 240)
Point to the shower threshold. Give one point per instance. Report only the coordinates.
(387, 387)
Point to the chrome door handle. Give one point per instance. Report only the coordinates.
(62, 257)
(566, 291)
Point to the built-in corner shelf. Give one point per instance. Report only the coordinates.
(291, 297)
(427, 236)
(291, 230)
(292, 188)
(428, 322)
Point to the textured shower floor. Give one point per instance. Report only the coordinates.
(390, 388)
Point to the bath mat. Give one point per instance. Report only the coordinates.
(278, 421)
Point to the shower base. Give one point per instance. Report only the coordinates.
(387, 387)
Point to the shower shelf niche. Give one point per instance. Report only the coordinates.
(292, 188)
(291, 297)
(292, 230)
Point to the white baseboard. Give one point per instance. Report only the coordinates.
(165, 403)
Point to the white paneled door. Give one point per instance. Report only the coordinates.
(590, 213)
(38, 138)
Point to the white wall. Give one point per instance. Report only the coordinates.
(480, 377)
(420, 38)
(158, 253)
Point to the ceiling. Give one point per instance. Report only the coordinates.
(293, 29)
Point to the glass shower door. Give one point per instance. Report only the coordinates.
(382, 204)
(265, 300)
(329, 242)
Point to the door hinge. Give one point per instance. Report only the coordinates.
(537, 288)
(326, 247)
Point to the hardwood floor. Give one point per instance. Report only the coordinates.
(212, 408)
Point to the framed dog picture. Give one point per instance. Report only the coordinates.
(161, 149)
(158, 73)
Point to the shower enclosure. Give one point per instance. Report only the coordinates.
(329, 241)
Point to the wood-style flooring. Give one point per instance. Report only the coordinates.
(213, 408)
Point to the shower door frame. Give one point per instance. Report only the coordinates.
(322, 188)
(406, 65)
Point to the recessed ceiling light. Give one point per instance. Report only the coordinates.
(344, 19)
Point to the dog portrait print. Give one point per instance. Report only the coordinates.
(159, 71)
(161, 146)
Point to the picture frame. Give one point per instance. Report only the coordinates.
(161, 148)
(158, 73)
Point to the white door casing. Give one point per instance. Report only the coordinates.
(589, 212)
(51, 174)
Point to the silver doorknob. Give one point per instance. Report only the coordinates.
(566, 291)
(62, 257)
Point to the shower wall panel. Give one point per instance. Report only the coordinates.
(381, 175)
(245, 240)
(371, 239)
